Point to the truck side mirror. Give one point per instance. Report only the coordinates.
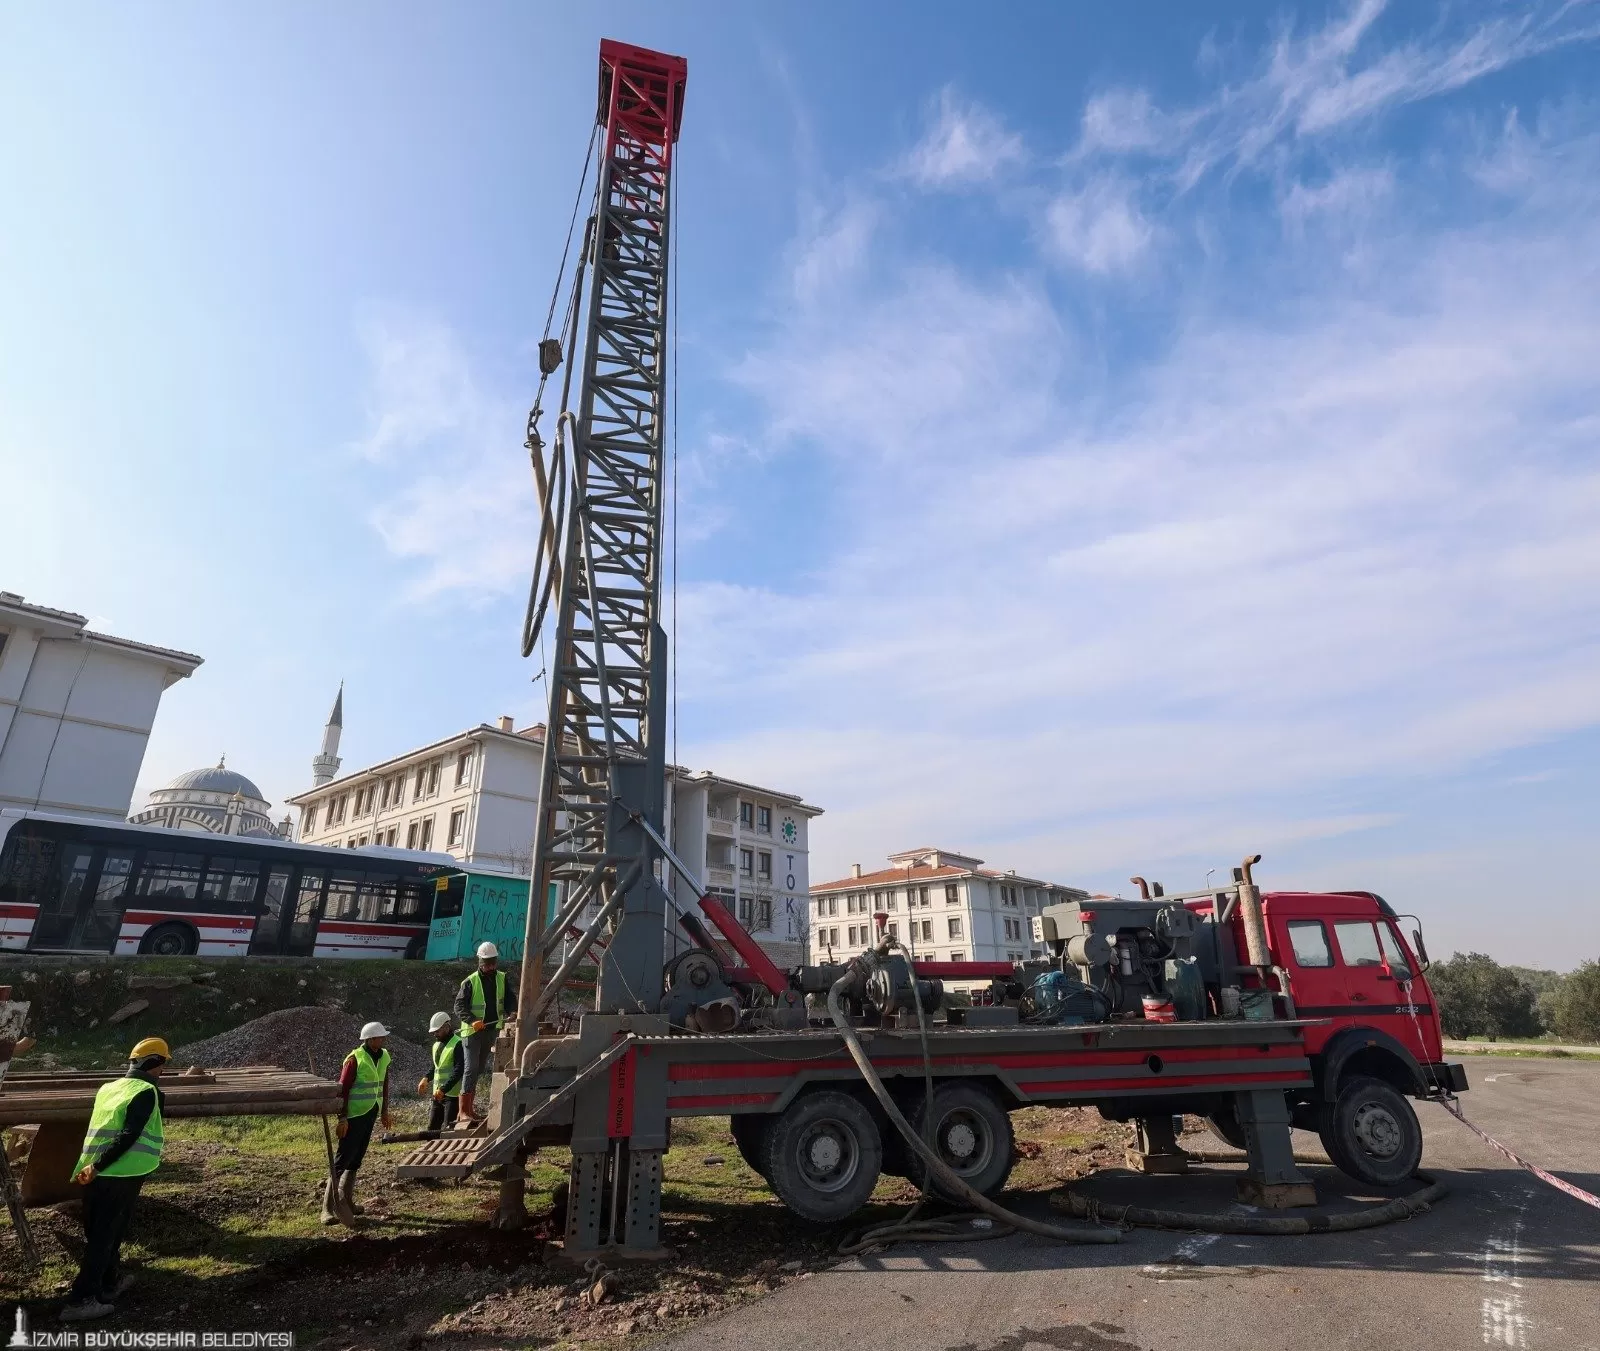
(1421, 948)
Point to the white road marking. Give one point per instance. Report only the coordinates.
(1504, 1321)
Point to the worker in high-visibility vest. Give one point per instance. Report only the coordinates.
(449, 1064)
(122, 1148)
(484, 1001)
(364, 1085)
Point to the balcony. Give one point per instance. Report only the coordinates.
(719, 877)
(721, 826)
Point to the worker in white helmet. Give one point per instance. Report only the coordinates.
(484, 1001)
(364, 1089)
(449, 1071)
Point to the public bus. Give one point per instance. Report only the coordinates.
(79, 884)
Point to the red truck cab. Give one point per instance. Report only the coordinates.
(1374, 1035)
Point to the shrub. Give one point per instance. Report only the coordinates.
(1480, 998)
(1575, 1006)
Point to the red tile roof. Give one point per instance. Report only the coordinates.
(892, 876)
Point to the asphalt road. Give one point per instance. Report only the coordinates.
(1504, 1261)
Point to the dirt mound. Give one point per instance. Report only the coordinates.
(284, 1038)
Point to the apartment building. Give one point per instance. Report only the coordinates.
(472, 795)
(475, 795)
(944, 906)
(749, 846)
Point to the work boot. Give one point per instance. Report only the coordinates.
(347, 1186)
(330, 1201)
(81, 1310)
(117, 1291)
(465, 1112)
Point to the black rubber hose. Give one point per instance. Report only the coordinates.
(947, 1176)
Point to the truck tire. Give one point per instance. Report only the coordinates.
(170, 940)
(973, 1135)
(1371, 1133)
(749, 1132)
(1224, 1123)
(822, 1156)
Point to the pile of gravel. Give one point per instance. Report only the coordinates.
(283, 1038)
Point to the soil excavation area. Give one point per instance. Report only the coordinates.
(227, 1238)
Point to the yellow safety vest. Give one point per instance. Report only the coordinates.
(442, 1051)
(480, 1005)
(111, 1105)
(367, 1092)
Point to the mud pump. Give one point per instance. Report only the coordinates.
(1255, 1010)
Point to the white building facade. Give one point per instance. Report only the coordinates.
(76, 709)
(749, 846)
(472, 795)
(945, 906)
(475, 796)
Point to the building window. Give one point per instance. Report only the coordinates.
(764, 820)
(927, 930)
(952, 894)
(425, 839)
(383, 797)
(350, 843)
(894, 929)
(363, 842)
(958, 956)
(746, 862)
(954, 923)
(1008, 896)
(389, 838)
(851, 935)
(744, 911)
(463, 767)
(308, 822)
(747, 814)
(411, 836)
(417, 787)
(833, 905)
(922, 896)
(822, 907)
(763, 914)
(458, 825)
(433, 777)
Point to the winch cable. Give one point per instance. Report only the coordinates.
(947, 1177)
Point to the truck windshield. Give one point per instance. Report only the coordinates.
(1358, 943)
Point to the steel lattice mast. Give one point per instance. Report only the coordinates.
(605, 735)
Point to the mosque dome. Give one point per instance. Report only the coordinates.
(216, 799)
(215, 779)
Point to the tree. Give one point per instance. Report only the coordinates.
(1575, 1006)
(1480, 998)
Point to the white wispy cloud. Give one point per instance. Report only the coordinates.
(966, 144)
(1099, 226)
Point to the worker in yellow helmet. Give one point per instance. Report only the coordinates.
(484, 1000)
(364, 1085)
(122, 1148)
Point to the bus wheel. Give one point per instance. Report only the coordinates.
(1372, 1134)
(749, 1132)
(823, 1155)
(170, 940)
(972, 1133)
(416, 948)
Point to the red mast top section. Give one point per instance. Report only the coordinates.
(641, 97)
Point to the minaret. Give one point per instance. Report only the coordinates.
(326, 765)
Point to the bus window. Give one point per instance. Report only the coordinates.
(170, 876)
(104, 920)
(450, 896)
(414, 898)
(344, 890)
(269, 928)
(307, 911)
(28, 863)
(58, 905)
(231, 881)
(378, 894)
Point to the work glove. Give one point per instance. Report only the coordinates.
(478, 1026)
(438, 1095)
(342, 1127)
(85, 1177)
(422, 1087)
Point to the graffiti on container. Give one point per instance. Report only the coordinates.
(498, 909)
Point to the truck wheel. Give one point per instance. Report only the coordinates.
(170, 940)
(1224, 1123)
(1372, 1134)
(749, 1131)
(972, 1133)
(822, 1156)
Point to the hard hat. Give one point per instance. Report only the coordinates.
(487, 950)
(150, 1046)
(437, 1021)
(372, 1030)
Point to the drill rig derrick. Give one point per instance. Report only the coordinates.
(604, 758)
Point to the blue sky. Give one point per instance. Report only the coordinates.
(1108, 442)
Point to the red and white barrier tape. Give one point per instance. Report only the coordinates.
(1560, 1184)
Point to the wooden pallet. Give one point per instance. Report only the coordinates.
(448, 1156)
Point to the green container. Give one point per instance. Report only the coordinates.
(471, 908)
